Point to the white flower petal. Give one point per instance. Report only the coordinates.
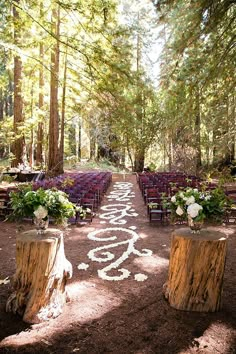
(83, 266)
(179, 211)
(4, 281)
(140, 277)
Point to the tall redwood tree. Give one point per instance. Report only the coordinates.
(19, 142)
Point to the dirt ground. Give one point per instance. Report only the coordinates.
(108, 314)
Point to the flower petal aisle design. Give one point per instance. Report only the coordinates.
(117, 244)
(107, 256)
(121, 210)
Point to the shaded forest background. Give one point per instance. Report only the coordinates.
(78, 81)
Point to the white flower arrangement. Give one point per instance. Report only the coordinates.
(41, 203)
(199, 204)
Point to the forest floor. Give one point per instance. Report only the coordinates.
(117, 304)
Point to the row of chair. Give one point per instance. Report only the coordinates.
(230, 217)
(83, 189)
(157, 189)
(5, 208)
(166, 182)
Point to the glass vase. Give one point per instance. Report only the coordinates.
(194, 225)
(41, 225)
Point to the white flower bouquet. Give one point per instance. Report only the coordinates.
(199, 205)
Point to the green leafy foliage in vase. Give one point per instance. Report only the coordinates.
(49, 203)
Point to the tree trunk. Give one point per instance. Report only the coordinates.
(196, 270)
(234, 126)
(39, 148)
(92, 154)
(170, 152)
(198, 131)
(139, 160)
(230, 132)
(79, 141)
(31, 143)
(129, 153)
(9, 111)
(63, 107)
(31, 148)
(41, 275)
(54, 166)
(2, 100)
(18, 144)
(1, 105)
(214, 146)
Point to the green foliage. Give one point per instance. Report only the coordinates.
(107, 88)
(67, 182)
(101, 165)
(152, 167)
(197, 78)
(222, 177)
(7, 178)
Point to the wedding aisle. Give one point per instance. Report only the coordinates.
(120, 263)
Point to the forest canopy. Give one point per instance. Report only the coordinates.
(79, 81)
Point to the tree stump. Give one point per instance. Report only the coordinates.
(196, 270)
(41, 274)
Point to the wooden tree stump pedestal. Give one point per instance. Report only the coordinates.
(196, 270)
(41, 274)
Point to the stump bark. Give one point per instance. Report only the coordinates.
(196, 270)
(41, 274)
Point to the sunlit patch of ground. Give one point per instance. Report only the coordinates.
(88, 301)
(152, 264)
(209, 342)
